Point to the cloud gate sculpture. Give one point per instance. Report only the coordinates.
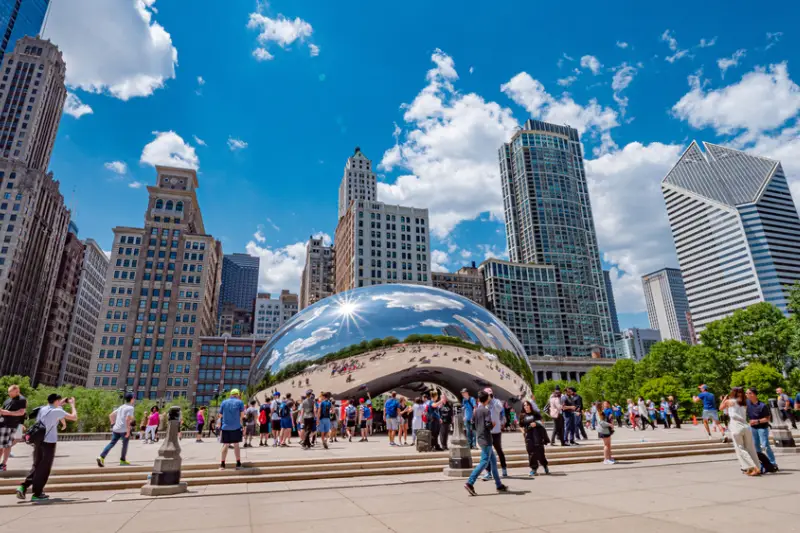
(392, 337)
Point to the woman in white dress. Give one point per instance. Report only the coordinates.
(736, 406)
(416, 421)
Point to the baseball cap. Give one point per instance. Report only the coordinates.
(703, 387)
(234, 392)
(488, 390)
(362, 400)
(464, 390)
(276, 393)
(309, 391)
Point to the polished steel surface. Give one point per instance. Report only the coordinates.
(382, 311)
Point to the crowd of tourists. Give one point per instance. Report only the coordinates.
(321, 419)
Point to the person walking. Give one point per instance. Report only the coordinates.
(556, 411)
(735, 405)
(324, 418)
(710, 411)
(151, 431)
(12, 415)
(334, 418)
(496, 410)
(785, 407)
(232, 411)
(666, 415)
(644, 414)
(580, 430)
(364, 413)
(631, 414)
(201, 422)
(446, 417)
(673, 411)
(121, 420)
(45, 451)
(351, 414)
(310, 416)
(604, 432)
(758, 416)
(390, 414)
(569, 406)
(484, 425)
(285, 413)
(468, 406)
(535, 435)
(250, 419)
(404, 417)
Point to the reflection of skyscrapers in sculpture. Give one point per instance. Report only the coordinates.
(549, 222)
(736, 230)
(457, 332)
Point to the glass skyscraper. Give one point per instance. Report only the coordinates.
(239, 281)
(736, 230)
(19, 18)
(549, 222)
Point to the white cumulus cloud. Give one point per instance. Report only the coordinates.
(622, 44)
(136, 185)
(280, 30)
(74, 107)
(313, 50)
(438, 261)
(169, 149)
(592, 63)
(672, 42)
(623, 76)
(724, 63)
(198, 141)
(236, 144)
(117, 167)
(113, 47)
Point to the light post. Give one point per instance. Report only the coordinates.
(460, 460)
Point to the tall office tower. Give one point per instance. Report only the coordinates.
(32, 94)
(667, 305)
(467, 281)
(83, 327)
(224, 365)
(358, 183)
(271, 313)
(237, 294)
(61, 308)
(19, 18)
(378, 243)
(162, 292)
(549, 222)
(736, 230)
(318, 280)
(239, 280)
(635, 343)
(612, 304)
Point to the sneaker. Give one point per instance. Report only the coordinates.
(546, 471)
(487, 476)
(238, 465)
(532, 473)
(222, 465)
(3, 467)
(502, 488)
(470, 489)
(325, 445)
(505, 473)
(101, 461)
(41, 497)
(20, 492)
(122, 462)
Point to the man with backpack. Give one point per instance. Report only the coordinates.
(43, 434)
(11, 416)
(365, 412)
(310, 416)
(324, 413)
(434, 419)
(350, 414)
(121, 422)
(469, 405)
(391, 417)
(263, 425)
(275, 417)
(285, 412)
(250, 418)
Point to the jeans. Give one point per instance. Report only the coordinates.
(488, 460)
(569, 427)
(435, 427)
(761, 441)
(558, 429)
(470, 429)
(114, 438)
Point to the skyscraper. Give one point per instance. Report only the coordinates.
(549, 222)
(667, 305)
(635, 343)
(162, 292)
(239, 280)
(33, 218)
(612, 304)
(318, 279)
(358, 183)
(19, 18)
(736, 230)
(467, 282)
(271, 313)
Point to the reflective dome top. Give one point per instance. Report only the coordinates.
(378, 312)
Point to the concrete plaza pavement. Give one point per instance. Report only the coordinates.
(689, 494)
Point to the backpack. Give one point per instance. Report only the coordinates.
(250, 417)
(284, 411)
(35, 434)
(262, 417)
(367, 412)
(325, 409)
(351, 412)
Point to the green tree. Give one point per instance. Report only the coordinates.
(759, 333)
(594, 384)
(666, 357)
(763, 377)
(543, 390)
(23, 382)
(621, 382)
(793, 381)
(705, 365)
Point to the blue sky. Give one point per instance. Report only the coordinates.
(268, 100)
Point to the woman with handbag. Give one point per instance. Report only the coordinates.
(604, 431)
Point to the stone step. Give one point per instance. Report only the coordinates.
(349, 470)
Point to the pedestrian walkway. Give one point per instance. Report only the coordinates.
(659, 496)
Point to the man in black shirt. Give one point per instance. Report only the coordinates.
(570, 407)
(11, 416)
(579, 429)
(758, 414)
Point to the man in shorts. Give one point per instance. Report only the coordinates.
(250, 417)
(232, 413)
(391, 416)
(710, 411)
(310, 416)
(286, 411)
(11, 416)
(275, 417)
(324, 418)
(364, 413)
(350, 414)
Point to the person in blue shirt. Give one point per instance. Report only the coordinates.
(232, 412)
(710, 411)
(468, 404)
(618, 414)
(391, 416)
